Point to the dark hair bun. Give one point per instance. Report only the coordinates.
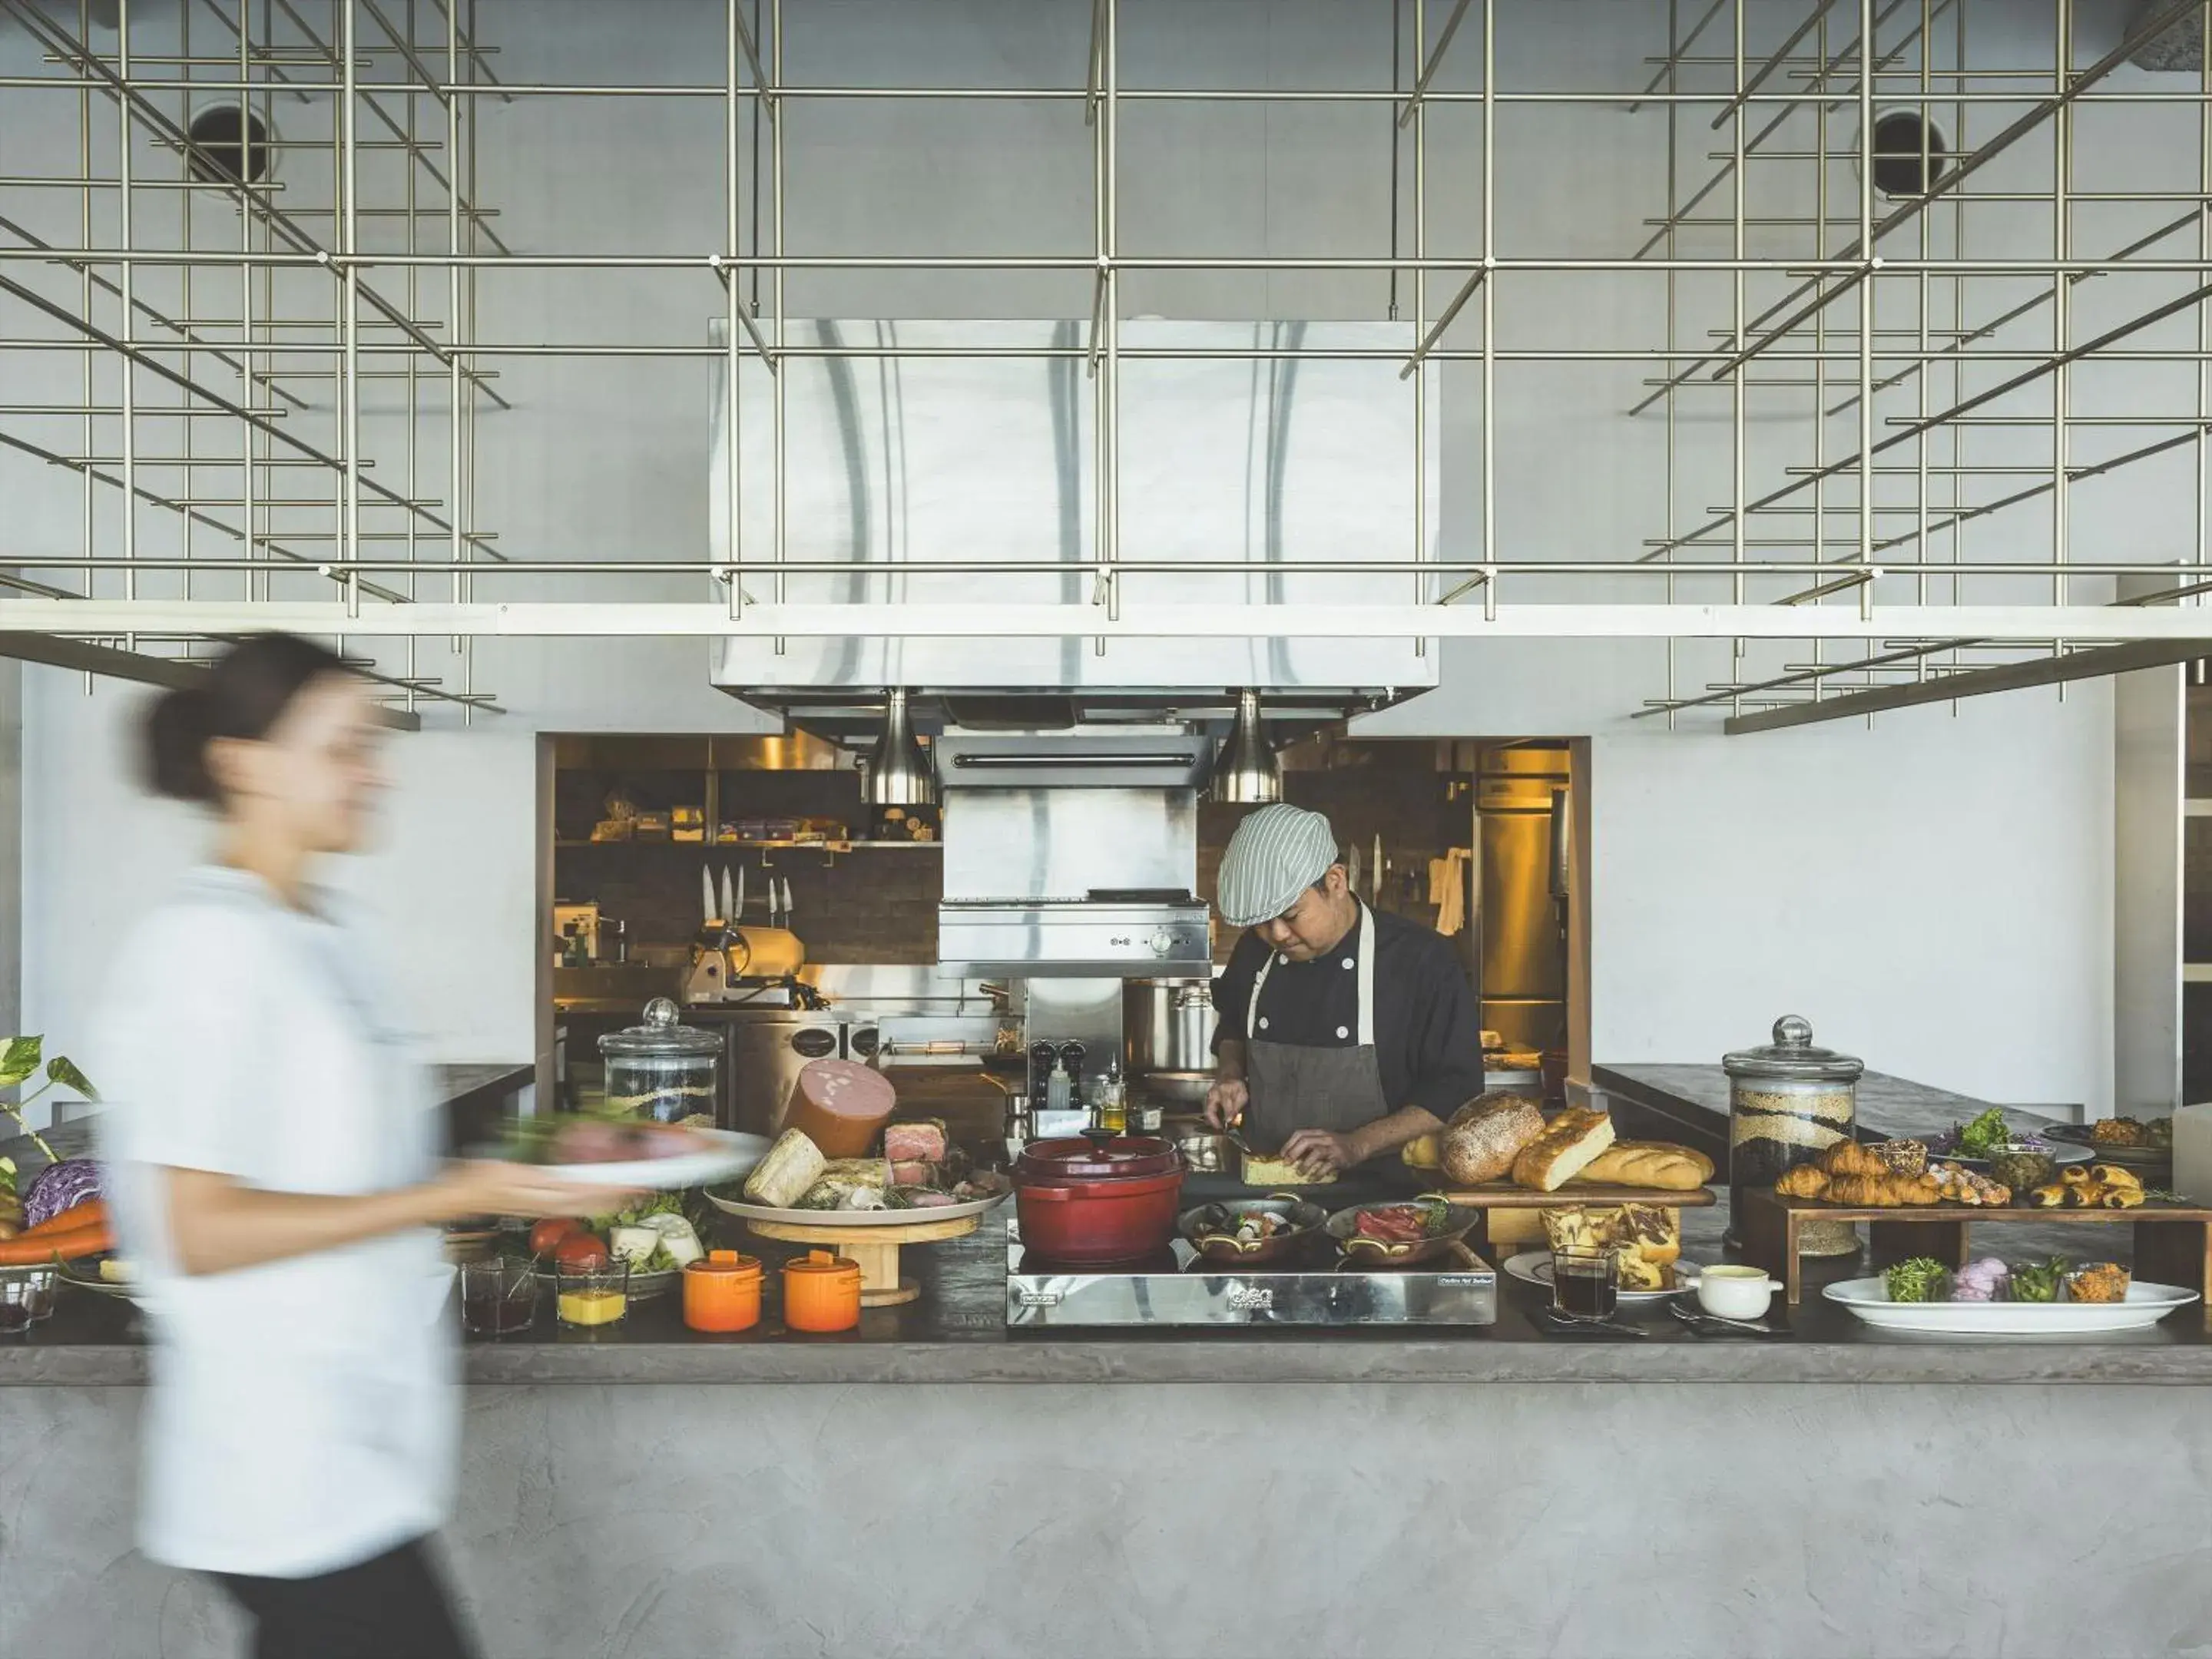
(243, 694)
(176, 745)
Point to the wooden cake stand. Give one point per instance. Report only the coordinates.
(876, 1249)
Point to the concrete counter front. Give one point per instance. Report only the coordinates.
(933, 1484)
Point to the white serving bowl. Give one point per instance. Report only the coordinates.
(1733, 1292)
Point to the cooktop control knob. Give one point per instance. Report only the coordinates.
(1163, 943)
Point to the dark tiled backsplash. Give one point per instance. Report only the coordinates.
(877, 905)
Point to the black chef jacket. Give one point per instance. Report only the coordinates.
(1428, 1037)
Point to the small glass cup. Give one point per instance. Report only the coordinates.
(1585, 1282)
(27, 1296)
(499, 1295)
(592, 1298)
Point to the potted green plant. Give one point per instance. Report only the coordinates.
(20, 1060)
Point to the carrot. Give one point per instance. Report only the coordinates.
(29, 1252)
(93, 1210)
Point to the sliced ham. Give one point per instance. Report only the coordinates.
(922, 1142)
(913, 1172)
(840, 1105)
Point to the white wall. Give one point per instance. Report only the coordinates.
(1935, 894)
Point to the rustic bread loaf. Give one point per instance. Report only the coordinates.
(1567, 1144)
(1486, 1136)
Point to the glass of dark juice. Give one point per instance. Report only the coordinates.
(1584, 1284)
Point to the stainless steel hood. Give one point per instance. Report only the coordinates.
(916, 477)
(1073, 854)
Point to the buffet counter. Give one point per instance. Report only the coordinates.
(651, 1491)
(956, 1333)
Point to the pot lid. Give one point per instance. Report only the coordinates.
(661, 1037)
(822, 1261)
(1121, 1157)
(730, 1262)
(1792, 1056)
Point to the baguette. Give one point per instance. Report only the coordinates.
(1567, 1144)
(1655, 1163)
(1486, 1136)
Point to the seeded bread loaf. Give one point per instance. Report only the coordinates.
(1486, 1136)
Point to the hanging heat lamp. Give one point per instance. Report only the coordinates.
(1247, 774)
(898, 770)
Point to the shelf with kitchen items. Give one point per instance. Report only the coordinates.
(570, 844)
(2173, 1241)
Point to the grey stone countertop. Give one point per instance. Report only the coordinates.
(1887, 1106)
(956, 1332)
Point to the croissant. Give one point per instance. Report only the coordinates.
(2120, 1198)
(1882, 1191)
(1805, 1180)
(2074, 1174)
(2111, 1175)
(2049, 1197)
(1848, 1158)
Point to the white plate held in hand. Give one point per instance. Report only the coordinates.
(725, 1155)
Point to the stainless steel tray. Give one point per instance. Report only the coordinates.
(1184, 1291)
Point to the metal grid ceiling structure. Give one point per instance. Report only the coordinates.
(259, 359)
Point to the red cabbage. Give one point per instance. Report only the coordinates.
(59, 1187)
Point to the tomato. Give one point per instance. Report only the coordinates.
(581, 1249)
(545, 1238)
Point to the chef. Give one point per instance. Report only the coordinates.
(1344, 1033)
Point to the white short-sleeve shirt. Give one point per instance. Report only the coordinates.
(303, 1416)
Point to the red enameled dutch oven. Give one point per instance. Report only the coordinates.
(1100, 1199)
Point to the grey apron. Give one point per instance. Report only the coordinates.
(1295, 1087)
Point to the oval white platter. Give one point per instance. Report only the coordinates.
(727, 1155)
(855, 1218)
(2146, 1305)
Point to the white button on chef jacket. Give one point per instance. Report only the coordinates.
(1349, 962)
(1263, 1022)
(303, 1416)
(1343, 1031)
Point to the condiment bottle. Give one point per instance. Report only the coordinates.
(821, 1292)
(722, 1292)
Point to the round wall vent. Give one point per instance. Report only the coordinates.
(1911, 154)
(232, 146)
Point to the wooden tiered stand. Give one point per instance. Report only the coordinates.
(876, 1249)
(2172, 1242)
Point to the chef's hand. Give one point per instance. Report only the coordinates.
(488, 1187)
(1317, 1152)
(1225, 1102)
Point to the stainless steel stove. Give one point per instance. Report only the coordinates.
(1178, 1288)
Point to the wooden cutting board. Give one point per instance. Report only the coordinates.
(1503, 1195)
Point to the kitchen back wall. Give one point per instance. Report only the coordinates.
(1934, 892)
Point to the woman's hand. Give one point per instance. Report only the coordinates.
(489, 1187)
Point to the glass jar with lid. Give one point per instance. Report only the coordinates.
(1789, 1102)
(663, 1068)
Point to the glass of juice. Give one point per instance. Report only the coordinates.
(592, 1298)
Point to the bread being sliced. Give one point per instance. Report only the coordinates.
(1568, 1145)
